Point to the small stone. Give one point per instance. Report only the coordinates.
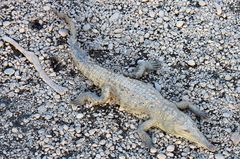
(121, 157)
(202, 3)
(228, 78)
(191, 63)
(46, 8)
(110, 46)
(219, 9)
(141, 39)
(161, 156)
(57, 96)
(14, 130)
(151, 14)
(153, 150)
(114, 17)
(21, 30)
(238, 89)
(117, 31)
(179, 24)
(80, 116)
(6, 23)
(235, 137)
(170, 148)
(9, 71)
(63, 32)
(145, 0)
(95, 31)
(86, 27)
(1, 44)
(161, 13)
(219, 156)
(42, 109)
(157, 86)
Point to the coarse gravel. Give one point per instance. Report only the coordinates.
(197, 42)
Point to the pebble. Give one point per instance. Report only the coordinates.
(42, 109)
(114, 17)
(218, 8)
(202, 3)
(21, 30)
(6, 23)
(153, 150)
(86, 27)
(180, 24)
(157, 86)
(9, 71)
(170, 148)
(1, 43)
(238, 89)
(141, 39)
(121, 157)
(46, 7)
(63, 32)
(161, 156)
(80, 116)
(227, 77)
(191, 63)
(235, 137)
(219, 156)
(14, 130)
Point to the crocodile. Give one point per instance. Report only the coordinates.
(135, 97)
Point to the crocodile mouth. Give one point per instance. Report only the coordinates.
(203, 142)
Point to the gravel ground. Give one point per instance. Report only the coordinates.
(197, 41)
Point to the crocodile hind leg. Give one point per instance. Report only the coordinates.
(89, 97)
(145, 66)
(142, 132)
(191, 107)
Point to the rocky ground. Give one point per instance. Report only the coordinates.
(197, 42)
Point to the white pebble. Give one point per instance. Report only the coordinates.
(21, 30)
(219, 156)
(63, 32)
(122, 157)
(114, 17)
(191, 63)
(6, 23)
(46, 8)
(170, 148)
(238, 89)
(202, 3)
(179, 24)
(9, 71)
(235, 137)
(14, 130)
(161, 156)
(1, 44)
(153, 150)
(141, 39)
(86, 27)
(80, 116)
(228, 78)
(219, 9)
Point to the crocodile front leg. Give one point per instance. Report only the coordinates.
(145, 66)
(142, 132)
(188, 105)
(89, 97)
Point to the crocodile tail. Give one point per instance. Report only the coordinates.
(77, 53)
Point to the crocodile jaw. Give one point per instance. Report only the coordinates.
(183, 126)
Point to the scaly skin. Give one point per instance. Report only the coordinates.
(135, 97)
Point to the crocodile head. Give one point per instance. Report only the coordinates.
(183, 126)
